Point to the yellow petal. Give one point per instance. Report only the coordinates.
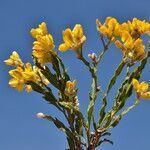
(143, 87)
(9, 62)
(13, 82)
(104, 30)
(64, 47)
(68, 37)
(145, 95)
(41, 30)
(135, 84)
(77, 31)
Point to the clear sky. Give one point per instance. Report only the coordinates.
(19, 127)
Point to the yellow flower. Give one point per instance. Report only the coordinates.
(70, 89)
(43, 49)
(14, 60)
(30, 73)
(73, 39)
(17, 80)
(141, 89)
(136, 27)
(44, 43)
(131, 48)
(21, 76)
(41, 30)
(111, 27)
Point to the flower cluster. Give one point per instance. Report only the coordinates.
(23, 73)
(127, 36)
(73, 39)
(141, 89)
(44, 45)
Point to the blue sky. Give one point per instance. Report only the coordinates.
(19, 127)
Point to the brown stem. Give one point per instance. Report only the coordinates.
(94, 141)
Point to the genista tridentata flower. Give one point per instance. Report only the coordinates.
(73, 39)
(43, 47)
(141, 89)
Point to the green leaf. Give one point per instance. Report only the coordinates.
(125, 90)
(90, 110)
(70, 105)
(64, 70)
(71, 144)
(110, 85)
(59, 125)
(52, 78)
(103, 141)
(36, 87)
(79, 125)
(115, 76)
(102, 110)
(115, 121)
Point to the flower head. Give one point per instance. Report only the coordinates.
(22, 75)
(111, 27)
(132, 49)
(43, 49)
(17, 80)
(73, 39)
(136, 27)
(141, 89)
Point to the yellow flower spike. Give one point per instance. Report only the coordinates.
(70, 89)
(73, 39)
(14, 60)
(43, 49)
(141, 89)
(41, 30)
(17, 80)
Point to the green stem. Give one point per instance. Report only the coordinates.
(105, 48)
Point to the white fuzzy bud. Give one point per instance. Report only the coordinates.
(40, 115)
(92, 57)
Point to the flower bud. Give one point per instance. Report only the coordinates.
(40, 115)
(92, 57)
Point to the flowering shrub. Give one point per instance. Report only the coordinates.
(84, 131)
